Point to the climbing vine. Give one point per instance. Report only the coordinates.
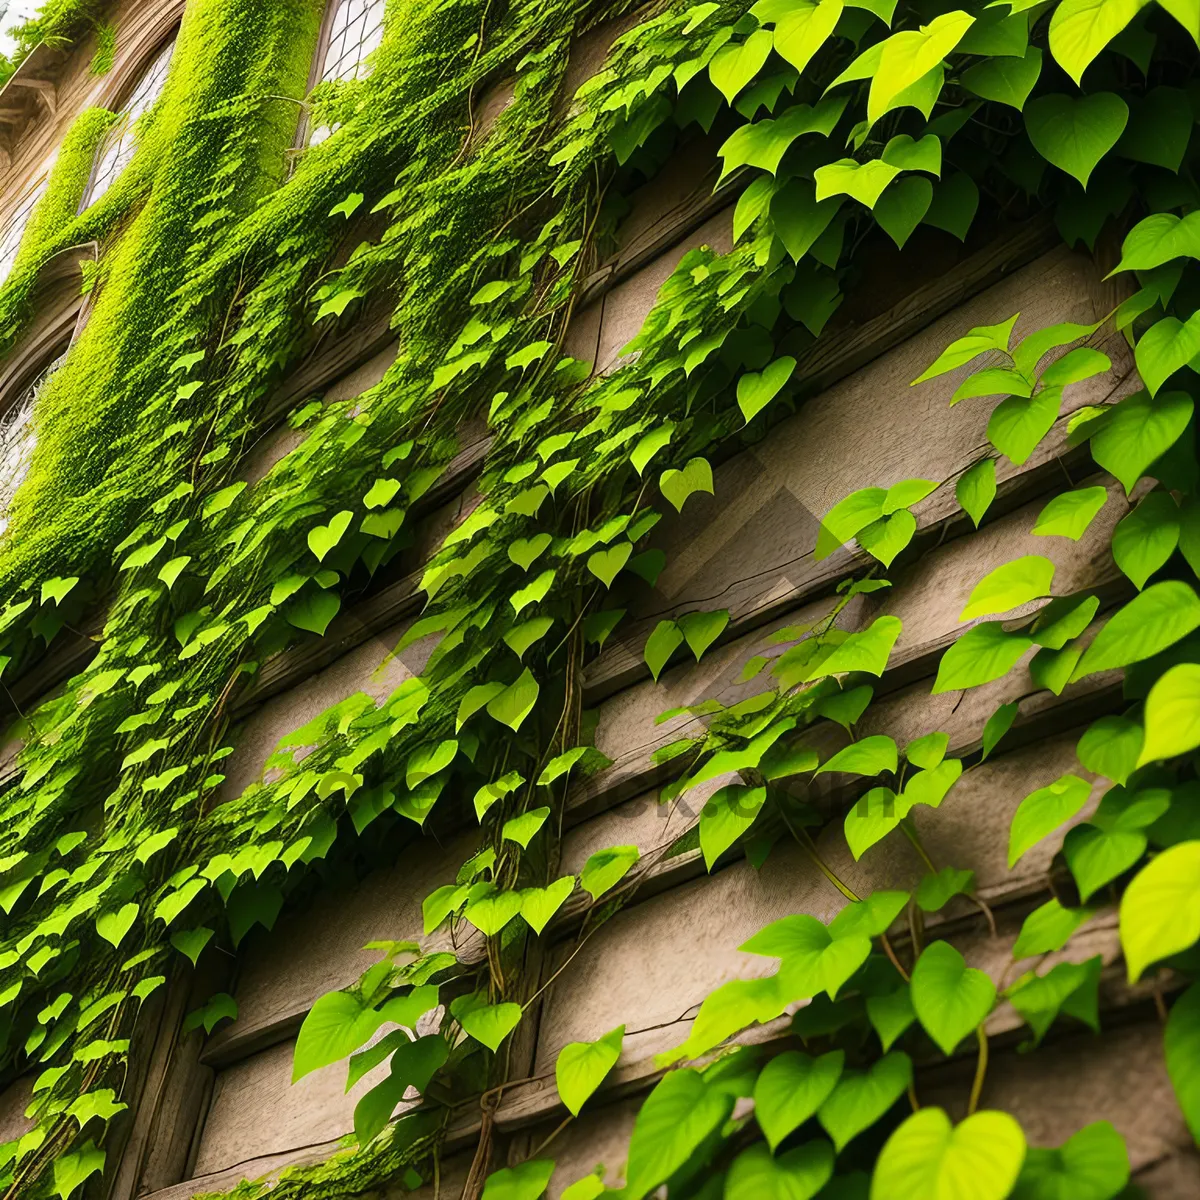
(842, 127)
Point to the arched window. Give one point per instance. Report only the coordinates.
(119, 143)
(355, 30)
(17, 439)
(13, 228)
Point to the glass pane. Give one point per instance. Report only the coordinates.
(118, 146)
(357, 30)
(17, 440)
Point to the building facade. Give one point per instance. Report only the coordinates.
(474, 561)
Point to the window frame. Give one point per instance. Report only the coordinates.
(21, 213)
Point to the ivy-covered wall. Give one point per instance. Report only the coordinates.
(866, 145)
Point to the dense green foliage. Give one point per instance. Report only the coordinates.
(846, 125)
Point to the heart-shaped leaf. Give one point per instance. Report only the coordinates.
(515, 703)
(790, 1089)
(606, 564)
(756, 1174)
(313, 611)
(701, 629)
(736, 63)
(522, 829)
(756, 390)
(606, 868)
(113, 926)
(526, 551)
(1043, 811)
(677, 486)
(1076, 132)
(490, 911)
(949, 998)
(487, 1023)
(581, 1067)
(1009, 586)
(524, 1182)
(661, 644)
(538, 905)
(929, 1159)
(862, 1097)
(323, 538)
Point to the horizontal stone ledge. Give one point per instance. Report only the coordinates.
(749, 547)
(679, 946)
(537, 1100)
(927, 596)
(1070, 1082)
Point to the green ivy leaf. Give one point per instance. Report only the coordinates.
(675, 1119)
(871, 756)
(1160, 910)
(1006, 80)
(1076, 132)
(313, 611)
(414, 1064)
(661, 644)
(902, 206)
(755, 390)
(1148, 624)
(1172, 714)
(1181, 1044)
(113, 926)
(1080, 29)
(862, 1097)
(966, 349)
(867, 650)
(1070, 988)
(1043, 811)
(538, 905)
(701, 629)
(489, 1024)
(864, 182)
(799, 1174)
(489, 909)
(736, 63)
(1091, 1165)
(804, 29)
(976, 489)
(929, 1159)
(949, 998)
(725, 817)
(1110, 747)
(790, 1089)
(908, 56)
(934, 892)
(1070, 514)
(524, 828)
(1143, 541)
(1166, 347)
(1009, 586)
(191, 942)
(607, 564)
(1018, 424)
(516, 702)
(815, 958)
(525, 1182)
(336, 1025)
(582, 1067)
(872, 818)
(71, 1170)
(606, 868)
(677, 486)
(526, 551)
(1048, 929)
